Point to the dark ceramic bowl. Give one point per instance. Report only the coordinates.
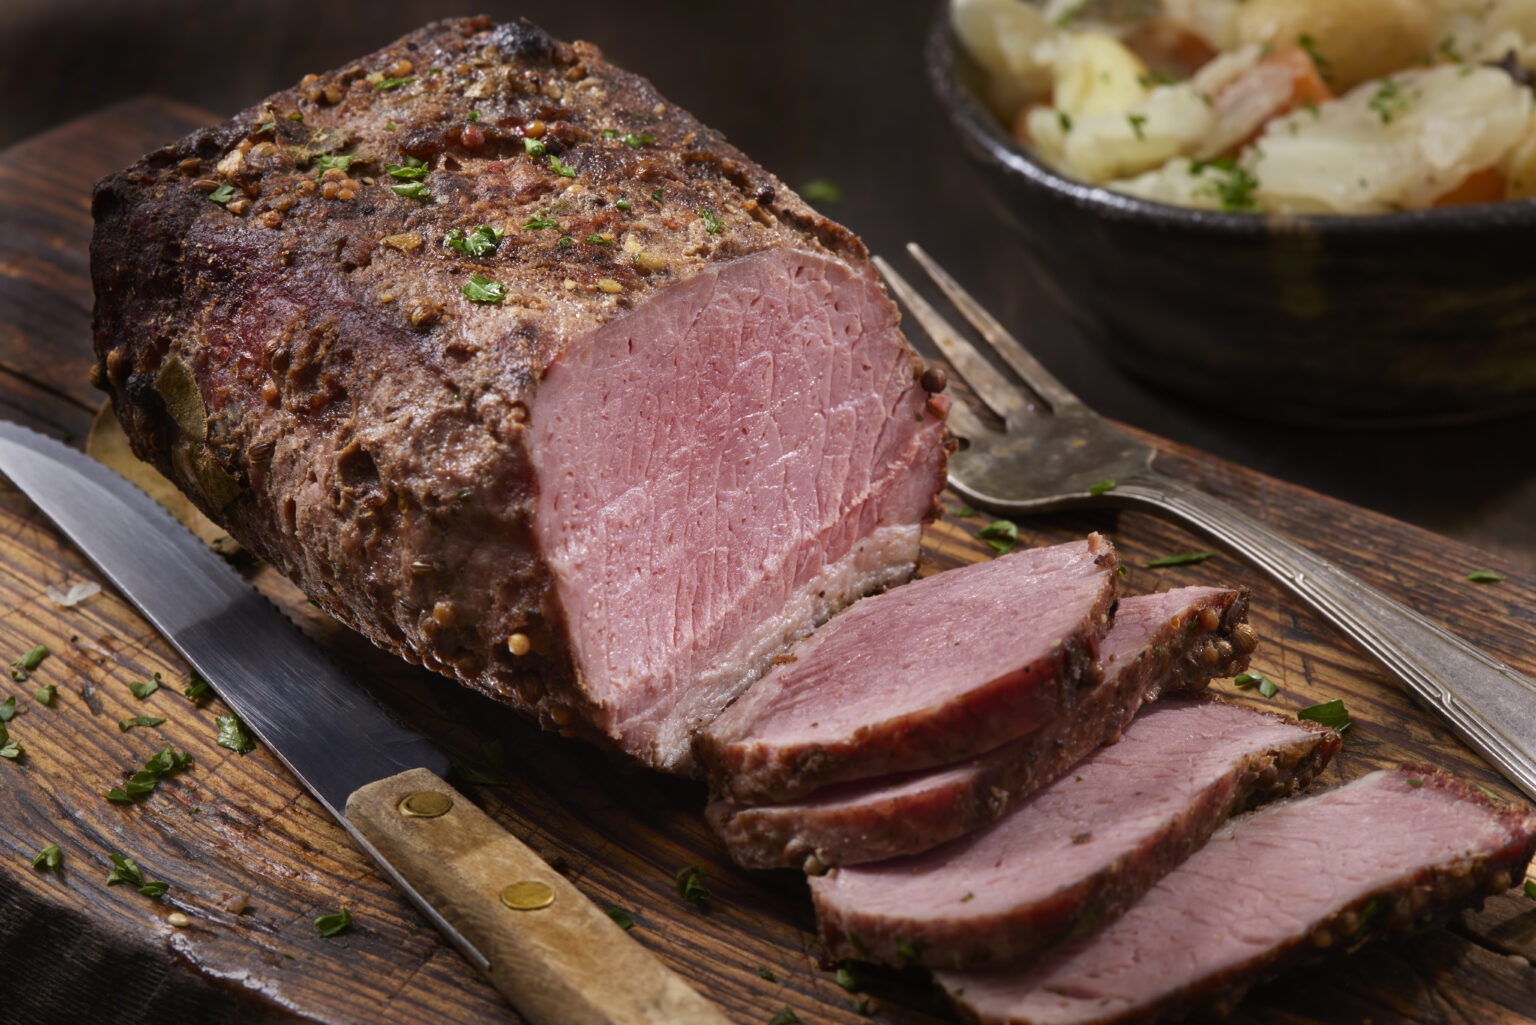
(1411, 317)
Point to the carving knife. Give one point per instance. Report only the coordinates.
(551, 952)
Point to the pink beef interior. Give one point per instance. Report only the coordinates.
(922, 646)
(719, 471)
(1091, 818)
(1263, 880)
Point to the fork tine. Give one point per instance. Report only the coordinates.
(1039, 379)
(991, 387)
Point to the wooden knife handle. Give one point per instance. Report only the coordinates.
(563, 963)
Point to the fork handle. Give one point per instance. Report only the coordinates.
(1489, 705)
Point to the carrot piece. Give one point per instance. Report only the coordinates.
(1485, 186)
(1307, 85)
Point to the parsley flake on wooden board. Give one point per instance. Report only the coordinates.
(28, 662)
(334, 923)
(1264, 684)
(139, 720)
(197, 689)
(143, 783)
(1484, 576)
(144, 688)
(126, 870)
(623, 919)
(49, 858)
(233, 736)
(1328, 713)
(690, 884)
(1001, 535)
(1178, 559)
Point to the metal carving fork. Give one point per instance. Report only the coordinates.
(1058, 453)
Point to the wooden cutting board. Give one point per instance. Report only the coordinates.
(251, 860)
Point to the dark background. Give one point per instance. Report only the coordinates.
(812, 89)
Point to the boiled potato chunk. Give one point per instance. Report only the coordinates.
(1096, 74)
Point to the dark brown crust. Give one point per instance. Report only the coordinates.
(745, 770)
(257, 351)
(1182, 658)
(1079, 909)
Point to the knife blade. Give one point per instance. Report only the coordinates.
(551, 952)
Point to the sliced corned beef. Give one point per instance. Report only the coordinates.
(1390, 852)
(1171, 642)
(1079, 851)
(925, 674)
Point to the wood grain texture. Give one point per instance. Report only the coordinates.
(252, 860)
(561, 961)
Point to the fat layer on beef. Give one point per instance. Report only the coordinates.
(521, 371)
(1075, 854)
(925, 674)
(1173, 642)
(1391, 852)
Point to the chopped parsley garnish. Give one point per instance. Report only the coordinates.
(385, 85)
(144, 688)
(332, 924)
(565, 242)
(28, 662)
(1179, 559)
(1138, 123)
(847, 980)
(233, 736)
(533, 147)
(1447, 49)
(126, 870)
(297, 115)
(139, 720)
(1001, 535)
(1415, 783)
(785, 1017)
(859, 1006)
(963, 511)
(711, 222)
(412, 190)
(563, 170)
(822, 190)
(489, 769)
(972, 896)
(538, 222)
(410, 171)
(622, 204)
(659, 194)
(1064, 120)
(1067, 16)
(474, 115)
(45, 694)
(1530, 889)
(1388, 101)
(143, 782)
(341, 162)
(623, 919)
(1484, 576)
(481, 289)
(1264, 684)
(9, 749)
(1323, 64)
(1155, 77)
(481, 241)
(911, 950)
(690, 884)
(634, 141)
(1099, 487)
(8, 709)
(48, 859)
(610, 133)
(269, 125)
(1233, 188)
(764, 972)
(1329, 713)
(197, 689)
(600, 240)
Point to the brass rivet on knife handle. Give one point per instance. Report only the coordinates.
(528, 895)
(425, 804)
(564, 962)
